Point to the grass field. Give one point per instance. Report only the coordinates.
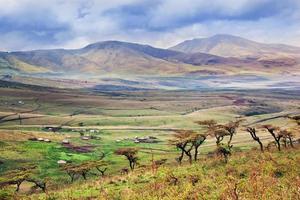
(248, 175)
(113, 117)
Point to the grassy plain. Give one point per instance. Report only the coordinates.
(115, 116)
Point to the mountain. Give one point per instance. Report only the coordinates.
(109, 57)
(233, 46)
(103, 57)
(233, 55)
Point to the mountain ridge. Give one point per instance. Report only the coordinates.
(125, 58)
(232, 46)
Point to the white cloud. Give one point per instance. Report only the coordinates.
(29, 24)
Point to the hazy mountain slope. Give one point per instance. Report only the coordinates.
(122, 58)
(104, 57)
(206, 59)
(112, 57)
(146, 49)
(52, 60)
(233, 46)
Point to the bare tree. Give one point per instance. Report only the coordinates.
(130, 154)
(275, 132)
(252, 132)
(231, 128)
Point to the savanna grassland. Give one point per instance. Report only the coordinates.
(113, 120)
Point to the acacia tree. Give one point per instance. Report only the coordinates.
(83, 169)
(220, 131)
(214, 129)
(231, 128)
(20, 175)
(186, 141)
(197, 141)
(276, 134)
(287, 136)
(252, 132)
(182, 139)
(130, 154)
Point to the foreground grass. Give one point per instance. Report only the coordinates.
(248, 175)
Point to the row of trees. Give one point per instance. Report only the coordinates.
(76, 170)
(186, 140)
(279, 135)
(189, 141)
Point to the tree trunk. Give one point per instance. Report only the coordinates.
(131, 165)
(219, 140)
(72, 177)
(229, 141)
(83, 175)
(277, 139)
(226, 158)
(102, 171)
(188, 153)
(190, 157)
(196, 153)
(39, 184)
(18, 186)
(261, 145)
(181, 156)
(278, 144)
(285, 143)
(291, 141)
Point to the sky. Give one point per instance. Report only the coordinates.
(42, 24)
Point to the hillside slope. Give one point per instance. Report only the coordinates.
(248, 175)
(100, 58)
(233, 46)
